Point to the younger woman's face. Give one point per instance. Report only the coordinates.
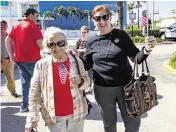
(102, 21)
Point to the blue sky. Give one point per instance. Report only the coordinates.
(161, 6)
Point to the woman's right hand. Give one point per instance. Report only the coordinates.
(29, 127)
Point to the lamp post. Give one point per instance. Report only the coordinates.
(89, 20)
(10, 4)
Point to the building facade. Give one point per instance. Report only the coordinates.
(69, 23)
(12, 12)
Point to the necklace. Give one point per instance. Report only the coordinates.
(109, 46)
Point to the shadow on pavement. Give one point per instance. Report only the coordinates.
(11, 104)
(159, 96)
(11, 122)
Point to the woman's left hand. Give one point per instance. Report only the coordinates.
(150, 42)
(75, 80)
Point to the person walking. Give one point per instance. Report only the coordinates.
(57, 86)
(107, 53)
(7, 65)
(23, 44)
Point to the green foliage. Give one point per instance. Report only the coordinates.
(138, 32)
(139, 39)
(172, 61)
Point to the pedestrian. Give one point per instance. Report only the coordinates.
(23, 44)
(81, 43)
(107, 54)
(7, 65)
(57, 81)
(80, 49)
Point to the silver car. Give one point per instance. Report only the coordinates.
(168, 32)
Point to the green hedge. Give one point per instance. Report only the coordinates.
(172, 61)
(139, 39)
(138, 32)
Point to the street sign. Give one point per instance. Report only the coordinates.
(132, 16)
(132, 22)
(4, 3)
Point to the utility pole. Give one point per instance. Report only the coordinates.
(138, 4)
(153, 13)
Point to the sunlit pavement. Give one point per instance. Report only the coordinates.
(162, 118)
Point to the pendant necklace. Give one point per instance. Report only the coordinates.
(109, 46)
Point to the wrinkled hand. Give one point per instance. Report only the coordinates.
(32, 125)
(150, 42)
(75, 80)
(72, 51)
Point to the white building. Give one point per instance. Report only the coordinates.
(12, 11)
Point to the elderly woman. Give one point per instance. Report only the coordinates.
(57, 87)
(107, 54)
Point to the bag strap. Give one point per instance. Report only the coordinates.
(77, 66)
(135, 71)
(145, 61)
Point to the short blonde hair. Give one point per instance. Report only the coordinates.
(85, 27)
(99, 8)
(52, 30)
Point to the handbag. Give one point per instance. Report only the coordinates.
(84, 95)
(140, 92)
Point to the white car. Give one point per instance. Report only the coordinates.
(168, 32)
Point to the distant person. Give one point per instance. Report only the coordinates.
(81, 43)
(56, 81)
(7, 65)
(23, 44)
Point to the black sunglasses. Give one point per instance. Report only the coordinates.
(104, 17)
(52, 45)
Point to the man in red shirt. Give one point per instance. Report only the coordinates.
(23, 44)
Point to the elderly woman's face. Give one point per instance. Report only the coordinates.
(56, 43)
(102, 21)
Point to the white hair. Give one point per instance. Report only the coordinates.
(52, 30)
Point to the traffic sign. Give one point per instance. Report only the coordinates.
(132, 16)
(4, 3)
(132, 22)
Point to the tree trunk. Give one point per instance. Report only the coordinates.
(120, 13)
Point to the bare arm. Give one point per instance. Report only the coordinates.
(39, 43)
(10, 47)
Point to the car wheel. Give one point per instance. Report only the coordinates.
(163, 36)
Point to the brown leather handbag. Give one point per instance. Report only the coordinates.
(140, 92)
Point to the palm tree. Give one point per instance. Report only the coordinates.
(61, 11)
(120, 13)
(48, 15)
(131, 5)
(73, 12)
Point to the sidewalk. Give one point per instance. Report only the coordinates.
(162, 115)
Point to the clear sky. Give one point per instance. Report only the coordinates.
(162, 6)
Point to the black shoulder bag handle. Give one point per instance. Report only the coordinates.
(84, 95)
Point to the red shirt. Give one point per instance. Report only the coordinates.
(62, 95)
(25, 34)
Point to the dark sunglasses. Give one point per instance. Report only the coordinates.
(52, 45)
(83, 32)
(104, 17)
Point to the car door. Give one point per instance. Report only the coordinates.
(173, 30)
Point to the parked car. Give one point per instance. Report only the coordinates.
(168, 32)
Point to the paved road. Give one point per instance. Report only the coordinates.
(160, 119)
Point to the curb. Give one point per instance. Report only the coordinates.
(168, 68)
